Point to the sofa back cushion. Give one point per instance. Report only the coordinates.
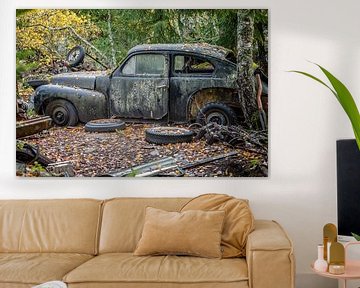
(66, 226)
(123, 220)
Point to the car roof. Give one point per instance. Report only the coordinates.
(199, 48)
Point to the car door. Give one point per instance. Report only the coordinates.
(189, 73)
(140, 88)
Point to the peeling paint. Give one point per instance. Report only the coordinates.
(175, 96)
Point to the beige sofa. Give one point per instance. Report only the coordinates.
(89, 243)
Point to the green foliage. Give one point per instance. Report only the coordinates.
(344, 97)
(39, 30)
(37, 168)
(25, 61)
(20, 144)
(356, 236)
(49, 33)
(20, 12)
(133, 173)
(120, 132)
(30, 113)
(146, 26)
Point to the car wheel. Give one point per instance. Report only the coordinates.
(75, 56)
(62, 112)
(166, 135)
(104, 125)
(216, 112)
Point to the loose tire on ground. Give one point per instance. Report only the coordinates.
(104, 125)
(75, 56)
(166, 135)
(217, 112)
(62, 112)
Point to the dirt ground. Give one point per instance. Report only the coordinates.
(95, 154)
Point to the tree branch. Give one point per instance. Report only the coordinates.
(72, 30)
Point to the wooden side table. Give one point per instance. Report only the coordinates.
(352, 268)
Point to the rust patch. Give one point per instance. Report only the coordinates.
(201, 98)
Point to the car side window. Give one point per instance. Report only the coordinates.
(145, 64)
(188, 64)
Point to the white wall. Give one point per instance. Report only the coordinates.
(305, 121)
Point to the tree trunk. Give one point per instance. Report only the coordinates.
(245, 35)
(263, 47)
(111, 40)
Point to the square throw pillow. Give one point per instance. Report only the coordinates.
(238, 223)
(193, 232)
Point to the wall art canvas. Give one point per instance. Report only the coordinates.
(142, 93)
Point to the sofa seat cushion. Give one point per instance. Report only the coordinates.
(36, 268)
(145, 270)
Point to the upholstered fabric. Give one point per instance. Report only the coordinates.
(37, 268)
(15, 285)
(193, 232)
(123, 218)
(239, 220)
(269, 255)
(242, 284)
(64, 226)
(126, 268)
(269, 260)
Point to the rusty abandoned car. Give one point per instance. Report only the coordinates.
(175, 83)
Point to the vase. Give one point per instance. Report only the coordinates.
(320, 264)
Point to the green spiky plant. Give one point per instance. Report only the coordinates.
(357, 237)
(346, 100)
(344, 97)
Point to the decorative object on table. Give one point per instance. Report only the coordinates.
(320, 264)
(329, 236)
(337, 258)
(344, 97)
(51, 284)
(340, 266)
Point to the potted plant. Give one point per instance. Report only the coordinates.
(346, 100)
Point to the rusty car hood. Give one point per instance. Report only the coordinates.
(85, 80)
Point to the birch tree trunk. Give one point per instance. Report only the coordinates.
(245, 35)
(111, 39)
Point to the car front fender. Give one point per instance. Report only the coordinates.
(89, 104)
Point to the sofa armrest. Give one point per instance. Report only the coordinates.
(269, 256)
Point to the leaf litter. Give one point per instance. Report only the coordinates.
(95, 154)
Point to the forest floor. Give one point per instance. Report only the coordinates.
(95, 154)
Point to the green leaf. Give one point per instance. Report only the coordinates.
(316, 79)
(344, 97)
(357, 237)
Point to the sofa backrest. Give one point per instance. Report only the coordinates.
(66, 226)
(123, 220)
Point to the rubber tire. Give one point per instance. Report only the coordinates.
(152, 135)
(104, 127)
(226, 111)
(79, 59)
(62, 106)
(29, 154)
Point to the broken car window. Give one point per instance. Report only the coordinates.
(192, 64)
(145, 64)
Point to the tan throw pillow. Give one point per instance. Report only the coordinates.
(196, 233)
(239, 220)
